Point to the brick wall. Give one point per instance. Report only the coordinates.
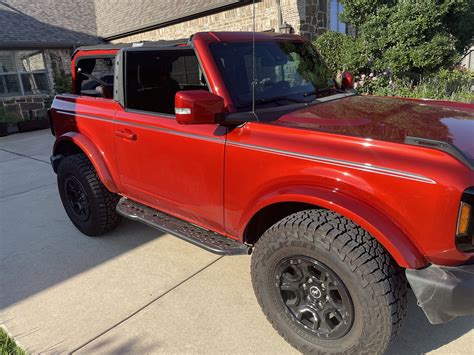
(307, 17)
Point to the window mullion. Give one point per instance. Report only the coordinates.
(15, 63)
(5, 92)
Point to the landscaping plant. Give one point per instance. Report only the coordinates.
(8, 345)
(410, 47)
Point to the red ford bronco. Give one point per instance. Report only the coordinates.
(242, 143)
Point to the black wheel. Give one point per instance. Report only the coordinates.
(88, 203)
(327, 286)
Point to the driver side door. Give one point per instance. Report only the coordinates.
(175, 168)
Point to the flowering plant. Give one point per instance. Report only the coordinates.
(371, 83)
(446, 84)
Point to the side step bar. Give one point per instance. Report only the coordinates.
(211, 241)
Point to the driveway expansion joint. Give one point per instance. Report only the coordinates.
(146, 305)
(25, 156)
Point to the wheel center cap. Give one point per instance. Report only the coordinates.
(315, 292)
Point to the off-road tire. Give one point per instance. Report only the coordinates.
(376, 284)
(102, 217)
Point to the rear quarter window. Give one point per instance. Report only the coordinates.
(95, 77)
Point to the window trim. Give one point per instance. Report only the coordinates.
(19, 73)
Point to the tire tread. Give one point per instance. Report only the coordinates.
(106, 218)
(355, 247)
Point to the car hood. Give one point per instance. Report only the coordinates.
(389, 119)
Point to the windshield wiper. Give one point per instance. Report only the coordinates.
(272, 99)
(322, 91)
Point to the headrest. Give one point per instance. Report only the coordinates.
(105, 91)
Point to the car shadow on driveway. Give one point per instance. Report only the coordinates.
(418, 336)
(41, 248)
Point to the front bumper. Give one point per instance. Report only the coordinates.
(443, 292)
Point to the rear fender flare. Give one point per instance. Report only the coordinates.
(392, 238)
(93, 153)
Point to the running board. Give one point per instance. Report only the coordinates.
(211, 241)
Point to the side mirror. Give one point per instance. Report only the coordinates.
(347, 80)
(198, 107)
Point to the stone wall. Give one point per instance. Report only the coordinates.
(240, 19)
(315, 19)
(23, 108)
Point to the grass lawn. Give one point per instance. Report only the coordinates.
(8, 345)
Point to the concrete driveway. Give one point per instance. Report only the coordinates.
(135, 289)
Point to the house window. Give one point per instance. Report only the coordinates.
(22, 73)
(335, 24)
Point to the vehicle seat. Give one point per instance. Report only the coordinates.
(105, 91)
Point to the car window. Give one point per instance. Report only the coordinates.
(285, 71)
(153, 77)
(95, 77)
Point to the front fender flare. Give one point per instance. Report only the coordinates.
(93, 153)
(392, 238)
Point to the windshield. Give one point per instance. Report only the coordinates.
(285, 72)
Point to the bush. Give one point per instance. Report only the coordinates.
(62, 83)
(340, 52)
(411, 37)
(4, 117)
(452, 85)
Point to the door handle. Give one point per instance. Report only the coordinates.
(126, 133)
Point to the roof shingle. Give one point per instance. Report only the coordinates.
(47, 23)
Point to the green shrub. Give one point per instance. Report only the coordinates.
(340, 52)
(62, 83)
(452, 85)
(411, 37)
(4, 117)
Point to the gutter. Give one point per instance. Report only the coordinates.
(43, 45)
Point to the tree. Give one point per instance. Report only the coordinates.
(410, 37)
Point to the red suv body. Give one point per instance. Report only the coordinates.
(400, 169)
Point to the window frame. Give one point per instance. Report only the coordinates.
(335, 24)
(18, 73)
